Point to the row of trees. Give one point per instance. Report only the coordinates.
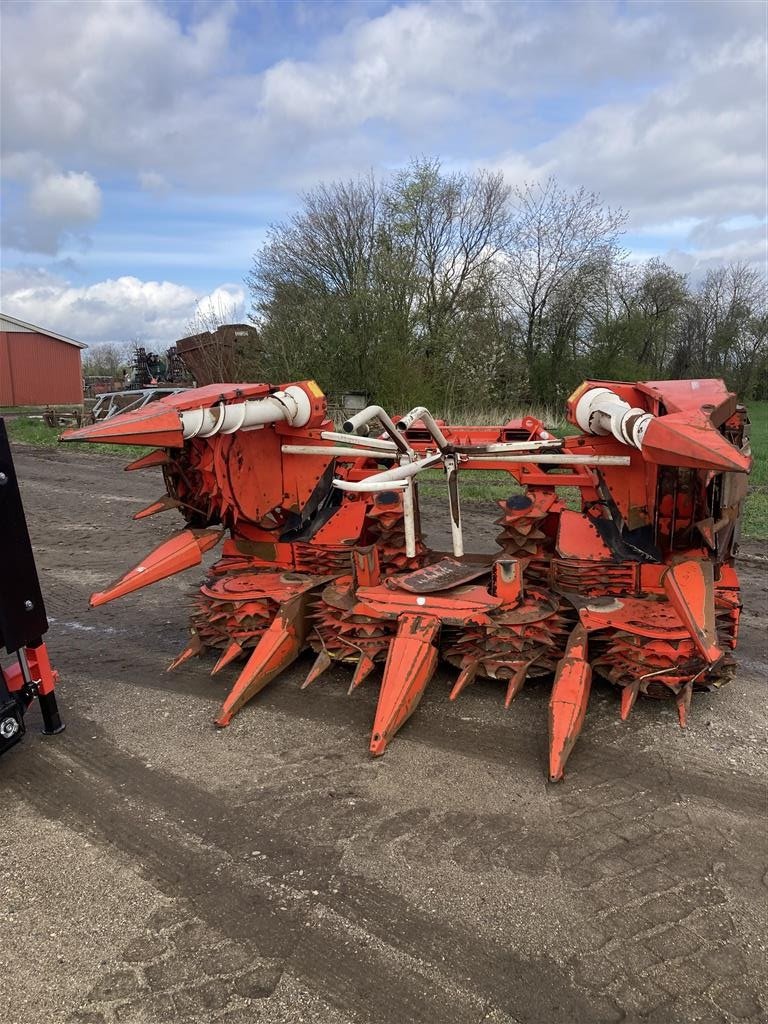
(455, 289)
(110, 359)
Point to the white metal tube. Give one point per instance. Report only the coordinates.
(407, 469)
(370, 485)
(452, 479)
(457, 538)
(375, 412)
(365, 442)
(420, 413)
(557, 460)
(229, 418)
(601, 411)
(507, 446)
(349, 452)
(409, 519)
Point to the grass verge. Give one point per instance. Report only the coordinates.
(33, 431)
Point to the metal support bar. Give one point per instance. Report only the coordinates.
(454, 506)
(556, 460)
(364, 486)
(349, 452)
(355, 439)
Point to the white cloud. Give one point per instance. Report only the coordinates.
(152, 97)
(686, 158)
(119, 309)
(225, 304)
(152, 181)
(659, 107)
(56, 207)
(67, 198)
(692, 147)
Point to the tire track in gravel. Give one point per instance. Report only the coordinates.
(367, 949)
(436, 724)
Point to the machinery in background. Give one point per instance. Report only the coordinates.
(110, 403)
(323, 548)
(28, 673)
(149, 369)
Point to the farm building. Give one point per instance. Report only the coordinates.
(38, 367)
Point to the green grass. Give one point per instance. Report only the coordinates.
(21, 410)
(754, 521)
(34, 432)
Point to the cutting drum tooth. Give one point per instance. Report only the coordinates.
(515, 685)
(629, 694)
(232, 653)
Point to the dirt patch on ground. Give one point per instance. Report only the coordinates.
(156, 869)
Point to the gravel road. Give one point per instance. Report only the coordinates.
(157, 870)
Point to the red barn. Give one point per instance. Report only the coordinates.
(38, 367)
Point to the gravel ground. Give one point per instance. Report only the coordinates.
(157, 870)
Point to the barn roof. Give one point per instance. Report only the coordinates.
(10, 323)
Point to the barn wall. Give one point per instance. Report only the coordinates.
(38, 370)
(6, 382)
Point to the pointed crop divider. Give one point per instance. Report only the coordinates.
(568, 702)
(683, 701)
(193, 650)
(322, 662)
(690, 588)
(159, 457)
(686, 439)
(466, 677)
(154, 425)
(163, 504)
(515, 685)
(278, 648)
(181, 551)
(628, 697)
(410, 665)
(363, 669)
(232, 653)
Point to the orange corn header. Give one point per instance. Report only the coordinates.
(323, 549)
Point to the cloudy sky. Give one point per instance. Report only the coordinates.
(146, 146)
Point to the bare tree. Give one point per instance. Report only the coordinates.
(555, 235)
(370, 274)
(454, 226)
(726, 328)
(109, 359)
(440, 287)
